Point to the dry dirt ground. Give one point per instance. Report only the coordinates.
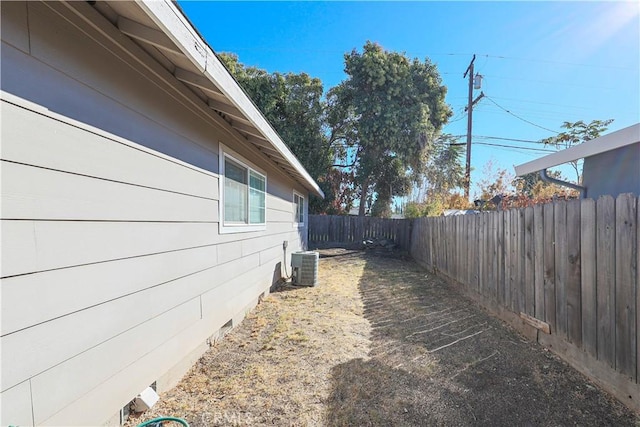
(380, 342)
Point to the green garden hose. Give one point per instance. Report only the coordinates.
(157, 422)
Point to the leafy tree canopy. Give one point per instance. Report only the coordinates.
(577, 133)
(444, 171)
(374, 135)
(390, 108)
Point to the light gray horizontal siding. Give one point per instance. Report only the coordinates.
(96, 364)
(94, 153)
(35, 301)
(216, 306)
(87, 242)
(15, 405)
(45, 194)
(112, 263)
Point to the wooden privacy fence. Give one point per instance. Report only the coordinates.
(572, 265)
(355, 229)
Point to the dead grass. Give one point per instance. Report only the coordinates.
(275, 368)
(380, 342)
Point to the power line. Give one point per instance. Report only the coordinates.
(530, 115)
(517, 147)
(458, 119)
(502, 138)
(514, 146)
(529, 141)
(520, 118)
(542, 103)
(525, 108)
(418, 54)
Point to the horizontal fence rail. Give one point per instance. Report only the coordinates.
(569, 265)
(345, 229)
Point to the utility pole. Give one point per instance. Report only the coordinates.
(467, 173)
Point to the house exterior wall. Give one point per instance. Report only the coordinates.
(613, 172)
(113, 268)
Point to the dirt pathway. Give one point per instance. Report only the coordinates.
(381, 342)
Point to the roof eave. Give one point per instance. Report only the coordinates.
(621, 138)
(172, 22)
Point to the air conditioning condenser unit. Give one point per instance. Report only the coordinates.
(304, 268)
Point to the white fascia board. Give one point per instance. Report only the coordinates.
(173, 23)
(621, 138)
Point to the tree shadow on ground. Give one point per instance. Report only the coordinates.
(438, 359)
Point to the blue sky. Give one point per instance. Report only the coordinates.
(545, 62)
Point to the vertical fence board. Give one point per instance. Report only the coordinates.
(437, 246)
(518, 288)
(451, 236)
(469, 237)
(476, 250)
(560, 215)
(445, 245)
(493, 254)
(588, 274)
(500, 256)
(488, 259)
(442, 245)
(515, 254)
(435, 224)
(468, 251)
(549, 266)
(521, 263)
(538, 261)
(529, 278)
(486, 262)
(451, 225)
(429, 227)
(479, 251)
(574, 297)
(507, 257)
(456, 250)
(465, 250)
(605, 276)
(625, 316)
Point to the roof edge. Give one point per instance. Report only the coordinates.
(172, 21)
(611, 141)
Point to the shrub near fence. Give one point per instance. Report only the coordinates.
(353, 229)
(571, 265)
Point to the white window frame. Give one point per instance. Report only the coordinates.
(234, 227)
(296, 219)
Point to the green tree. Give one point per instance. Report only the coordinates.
(444, 171)
(577, 133)
(388, 113)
